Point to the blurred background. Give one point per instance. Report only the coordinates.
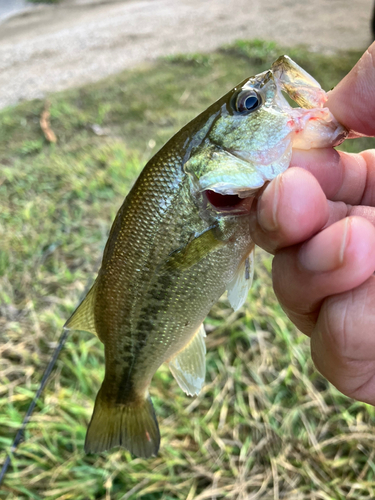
(65, 43)
(89, 91)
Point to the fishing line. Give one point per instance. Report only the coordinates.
(47, 372)
(20, 433)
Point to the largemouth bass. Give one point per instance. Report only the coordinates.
(181, 238)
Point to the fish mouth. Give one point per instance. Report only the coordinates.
(228, 204)
(230, 199)
(230, 188)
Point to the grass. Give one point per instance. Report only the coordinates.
(266, 425)
(44, 1)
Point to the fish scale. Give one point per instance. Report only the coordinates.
(181, 238)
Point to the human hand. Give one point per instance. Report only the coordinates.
(319, 221)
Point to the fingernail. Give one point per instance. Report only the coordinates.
(322, 254)
(268, 204)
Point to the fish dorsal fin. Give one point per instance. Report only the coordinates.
(189, 365)
(239, 287)
(83, 316)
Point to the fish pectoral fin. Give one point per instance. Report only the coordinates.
(131, 425)
(239, 287)
(83, 316)
(198, 248)
(189, 365)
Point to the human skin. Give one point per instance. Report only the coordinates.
(318, 218)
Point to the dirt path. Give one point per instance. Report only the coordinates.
(54, 47)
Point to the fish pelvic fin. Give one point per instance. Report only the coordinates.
(239, 287)
(130, 425)
(83, 317)
(188, 366)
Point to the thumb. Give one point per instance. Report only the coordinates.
(352, 102)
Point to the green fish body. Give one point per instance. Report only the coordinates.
(181, 238)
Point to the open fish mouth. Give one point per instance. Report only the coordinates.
(229, 204)
(236, 198)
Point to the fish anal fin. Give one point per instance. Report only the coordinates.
(239, 287)
(188, 366)
(130, 425)
(83, 317)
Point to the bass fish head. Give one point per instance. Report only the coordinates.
(247, 143)
(249, 133)
(254, 120)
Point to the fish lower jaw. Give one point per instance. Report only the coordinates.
(246, 183)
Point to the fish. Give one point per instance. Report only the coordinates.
(181, 239)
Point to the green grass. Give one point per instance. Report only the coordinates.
(44, 1)
(266, 424)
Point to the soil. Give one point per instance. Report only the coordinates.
(53, 47)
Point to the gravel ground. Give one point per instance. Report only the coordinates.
(53, 47)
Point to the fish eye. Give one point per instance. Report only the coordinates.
(247, 101)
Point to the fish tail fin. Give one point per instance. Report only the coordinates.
(131, 425)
